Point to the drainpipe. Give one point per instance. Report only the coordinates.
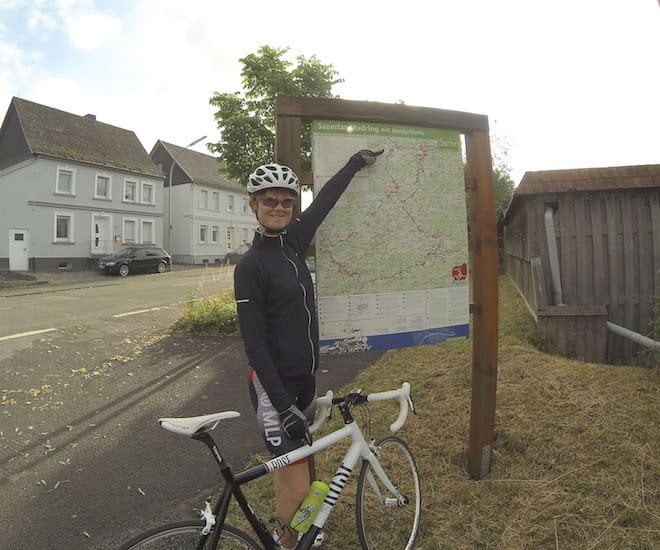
(557, 297)
(634, 336)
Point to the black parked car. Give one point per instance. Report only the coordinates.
(135, 259)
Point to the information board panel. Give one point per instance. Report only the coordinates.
(391, 258)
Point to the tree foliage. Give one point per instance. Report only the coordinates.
(504, 185)
(503, 189)
(246, 120)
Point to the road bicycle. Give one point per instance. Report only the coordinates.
(388, 497)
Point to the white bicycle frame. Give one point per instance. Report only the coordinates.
(358, 449)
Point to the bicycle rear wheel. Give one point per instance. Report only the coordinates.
(186, 535)
(382, 520)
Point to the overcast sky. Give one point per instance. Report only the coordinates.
(565, 84)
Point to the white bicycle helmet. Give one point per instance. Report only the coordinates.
(271, 176)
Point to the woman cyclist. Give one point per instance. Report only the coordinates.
(277, 317)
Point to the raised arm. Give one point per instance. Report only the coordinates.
(310, 220)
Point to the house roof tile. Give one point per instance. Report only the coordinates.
(583, 179)
(66, 136)
(589, 179)
(203, 169)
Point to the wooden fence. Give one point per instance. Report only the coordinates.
(609, 255)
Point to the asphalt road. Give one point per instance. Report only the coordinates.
(83, 463)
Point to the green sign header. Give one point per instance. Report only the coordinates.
(448, 139)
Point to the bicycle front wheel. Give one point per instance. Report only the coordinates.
(383, 520)
(186, 535)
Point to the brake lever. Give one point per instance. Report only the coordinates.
(411, 403)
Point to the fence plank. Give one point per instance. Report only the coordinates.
(599, 251)
(645, 268)
(614, 344)
(655, 231)
(583, 253)
(568, 256)
(630, 273)
(538, 283)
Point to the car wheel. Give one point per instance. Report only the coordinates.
(162, 267)
(123, 270)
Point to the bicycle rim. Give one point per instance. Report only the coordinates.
(381, 521)
(187, 535)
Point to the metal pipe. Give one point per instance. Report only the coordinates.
(553, 255)
(632, 335)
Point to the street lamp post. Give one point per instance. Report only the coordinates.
(169, 183)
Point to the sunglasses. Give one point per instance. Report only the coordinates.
(272, 202)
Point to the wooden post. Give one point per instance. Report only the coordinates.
(484, 278)
(287, 142)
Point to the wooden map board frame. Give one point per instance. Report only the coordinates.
(292, 112)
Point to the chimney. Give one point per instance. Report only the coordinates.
(90, 117)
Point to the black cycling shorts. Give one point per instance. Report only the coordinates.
(304, 394)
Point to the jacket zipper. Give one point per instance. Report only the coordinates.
(309, 313)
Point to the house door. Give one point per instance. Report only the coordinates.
(101, 234)
(231, 244)
(19, 244)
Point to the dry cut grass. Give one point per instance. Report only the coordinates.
(576, 452)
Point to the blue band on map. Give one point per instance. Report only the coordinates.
(401, 340)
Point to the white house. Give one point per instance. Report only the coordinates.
(72, 189)
(210, 216)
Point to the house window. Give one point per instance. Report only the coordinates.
(147, 229)
(215, 232)
(102, 190)
(130, 189)
(230, 203)
(147, 193)
(203, 198)
(129, 230)
(203, 233)
(244, 203)
(215, 201)
(65, 182)
(63, 227)
(246, 235)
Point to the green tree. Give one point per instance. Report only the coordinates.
(504, 185)
(503, 189)
(246, 120)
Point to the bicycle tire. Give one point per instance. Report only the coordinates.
(390, 525)
(185, 535)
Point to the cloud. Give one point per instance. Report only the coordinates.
(88, 31)
(17, 67)
(39, 21)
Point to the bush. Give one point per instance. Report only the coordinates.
(216, 314)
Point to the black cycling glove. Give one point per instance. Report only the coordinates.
(364, 157)
(294, 424)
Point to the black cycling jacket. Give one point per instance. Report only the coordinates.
(275, 297)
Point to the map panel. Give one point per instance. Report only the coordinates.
(391, 257)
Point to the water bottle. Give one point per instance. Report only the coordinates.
(304, 516)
